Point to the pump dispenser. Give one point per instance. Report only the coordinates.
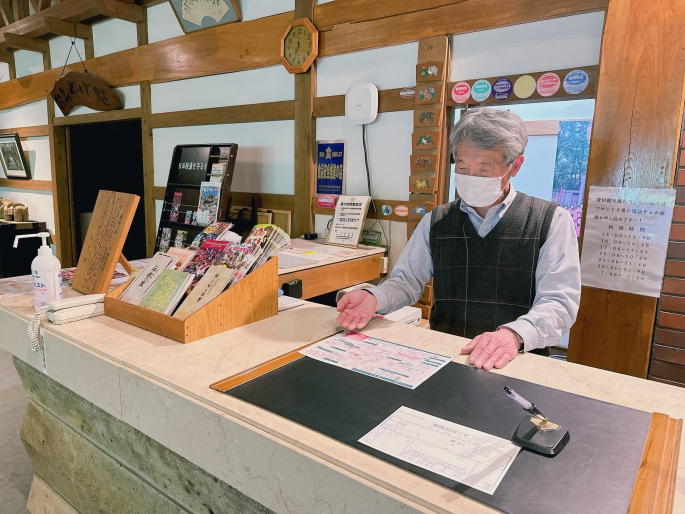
(46, 271)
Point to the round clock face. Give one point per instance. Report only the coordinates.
(297, 45)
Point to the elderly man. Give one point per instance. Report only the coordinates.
(505, 265)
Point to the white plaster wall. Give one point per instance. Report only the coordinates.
(60, 48)
(388, 68)
(130, 98)
(260, 85)
(253, 9)
(265, 161)
(162, 23)
(39, 204)
(4, 72)
(28, 115)
(539, 46)
(27, 63)
(37, 152)
(114, 35)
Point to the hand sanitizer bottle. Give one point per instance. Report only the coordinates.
(46, 271)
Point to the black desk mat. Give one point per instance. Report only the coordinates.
(594, 473)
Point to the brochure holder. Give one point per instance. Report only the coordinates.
(252, 299)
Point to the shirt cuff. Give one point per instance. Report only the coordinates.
(527, 332)
(381, 299)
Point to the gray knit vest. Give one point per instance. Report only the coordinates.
(480, 283)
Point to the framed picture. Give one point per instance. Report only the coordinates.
(12, 157)
(201, 14)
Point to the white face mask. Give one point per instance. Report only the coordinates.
(479, 191)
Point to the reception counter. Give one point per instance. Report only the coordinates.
(123, 420)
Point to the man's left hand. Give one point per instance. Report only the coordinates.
(492, 349)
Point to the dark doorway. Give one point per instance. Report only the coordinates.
(108, 156)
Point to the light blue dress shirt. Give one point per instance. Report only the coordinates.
(557, 277)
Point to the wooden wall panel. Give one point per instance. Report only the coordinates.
(268, 111)
(635, 132)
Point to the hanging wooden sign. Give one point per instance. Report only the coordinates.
(420, 162)
(429, 140)
(424, 117)
(75, 88)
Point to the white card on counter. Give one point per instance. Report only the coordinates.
(460, 453)
(395, 363)
(626, 239)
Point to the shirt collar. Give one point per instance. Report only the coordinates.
(497, 210)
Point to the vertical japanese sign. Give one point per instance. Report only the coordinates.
(330, 167)
(626, 238)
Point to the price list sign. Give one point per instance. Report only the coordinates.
(348, 220)
(626, 238)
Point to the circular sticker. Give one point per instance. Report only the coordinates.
(386, 210)
(461, 92)
(402, 210)
(408, 92)
(548, 84)
(576, 82)
(481, 90)
(524, 86)
(501, 89)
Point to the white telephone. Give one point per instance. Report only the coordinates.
(74, 309)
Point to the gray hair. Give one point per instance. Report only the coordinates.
(490, 129)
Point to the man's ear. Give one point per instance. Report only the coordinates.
(518, 162)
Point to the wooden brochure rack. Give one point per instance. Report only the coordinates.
(252, 299)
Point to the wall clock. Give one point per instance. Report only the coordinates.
(299, 46)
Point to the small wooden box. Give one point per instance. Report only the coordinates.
(252, 299)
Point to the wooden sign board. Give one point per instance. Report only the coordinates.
(106, 235)
(411, 227)
(425, 140)
(428, 94)
(433, 71)
(423, 162)
(423, 183)
(425, 117)
(77, 88)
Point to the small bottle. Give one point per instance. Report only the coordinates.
(46, 271)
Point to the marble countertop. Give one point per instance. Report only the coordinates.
(161, 387)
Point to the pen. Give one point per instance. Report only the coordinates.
(524, 403)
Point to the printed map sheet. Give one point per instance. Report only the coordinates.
(392, 362)
(460, 453)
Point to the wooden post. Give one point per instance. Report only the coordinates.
(634, 138)
(305, 137)
(148, 157)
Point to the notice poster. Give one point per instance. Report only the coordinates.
(330, 167)
(626, 238)
(348, 220)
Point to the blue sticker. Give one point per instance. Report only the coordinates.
(576, 82)
(419, 210)
(386, 210)
(502, 88)
(481, 90)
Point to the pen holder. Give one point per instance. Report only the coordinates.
(533, 435)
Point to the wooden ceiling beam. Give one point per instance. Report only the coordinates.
(70, 11)
(6, 12)
(122, 11)
(17, 42)
(64, 28)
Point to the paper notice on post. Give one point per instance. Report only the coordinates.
(626, 239)
(392, 362)
(460, 453)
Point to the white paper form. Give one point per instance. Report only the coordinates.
(395, 363)
(460, 453)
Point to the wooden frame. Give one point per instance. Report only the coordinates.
(313, 32)
(252, 299)
(12, 157)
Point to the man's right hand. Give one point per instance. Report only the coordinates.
(356, 308)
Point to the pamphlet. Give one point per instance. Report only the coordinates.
(143, 282)
(208, 206)
(211, 285)
(167, 291)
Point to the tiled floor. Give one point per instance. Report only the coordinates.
(15, 468)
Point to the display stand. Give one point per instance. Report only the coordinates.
(190, 166)
(109, 226)
(252, 299)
